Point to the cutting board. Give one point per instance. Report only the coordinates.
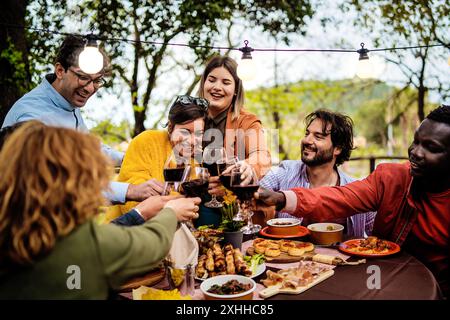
(282, 258)
(148, 279)
(273, 290)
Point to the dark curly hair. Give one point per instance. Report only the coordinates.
(341, 131)
(440, 114)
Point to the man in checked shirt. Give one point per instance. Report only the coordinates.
(328, 142)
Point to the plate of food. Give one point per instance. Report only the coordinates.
(226, 260)
(280, 251)
(369, 247)
(294, 280)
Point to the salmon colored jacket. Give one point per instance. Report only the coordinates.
(245, 138)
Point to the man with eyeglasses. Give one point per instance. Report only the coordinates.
(57, 102)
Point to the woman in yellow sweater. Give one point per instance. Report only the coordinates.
(147, 152)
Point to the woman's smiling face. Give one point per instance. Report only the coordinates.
(219, 89)
(187, 138)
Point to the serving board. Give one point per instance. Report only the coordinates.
(273, 290)
(283, 257)
(148, 279)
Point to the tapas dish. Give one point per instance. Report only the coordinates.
(295, 280)
(282, 251)
(228, 287)
(222, 261)
(370, 247)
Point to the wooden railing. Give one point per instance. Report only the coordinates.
(372, 160)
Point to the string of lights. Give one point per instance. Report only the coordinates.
(91, 61)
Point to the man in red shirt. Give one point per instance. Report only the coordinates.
(412, 199)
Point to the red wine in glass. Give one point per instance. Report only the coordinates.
(226, 180)
(173, 174)
(215, 169)
(195, 188)
(244, 193)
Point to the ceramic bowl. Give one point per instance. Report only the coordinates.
(283, 226)
(220, 280)
(326, 233)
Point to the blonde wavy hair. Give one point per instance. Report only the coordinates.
(51, 182)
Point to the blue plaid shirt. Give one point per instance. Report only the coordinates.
(292, 174)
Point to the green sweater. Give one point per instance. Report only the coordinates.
(107, 256)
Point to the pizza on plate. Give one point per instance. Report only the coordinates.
(371, 245)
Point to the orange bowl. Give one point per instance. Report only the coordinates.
(283, 226)
(325, 233)
(220, 280)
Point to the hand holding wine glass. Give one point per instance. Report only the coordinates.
(175, 171)
(195, 184)
(214, 159)
(244, 168)
(245, 194)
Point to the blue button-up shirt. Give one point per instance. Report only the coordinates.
(292, 174)
(47, 105)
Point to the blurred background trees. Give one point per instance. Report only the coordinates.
(146, 77)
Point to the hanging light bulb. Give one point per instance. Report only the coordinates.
(246, 69)
(90, 60)
(364, 68)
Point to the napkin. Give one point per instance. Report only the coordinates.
(184, 250)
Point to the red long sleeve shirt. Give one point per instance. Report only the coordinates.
(420, 224)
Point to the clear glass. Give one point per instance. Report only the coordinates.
(244, 193)
(215, 160)
(175, 172)
(196, 182)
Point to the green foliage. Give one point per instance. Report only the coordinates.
(229, 210)
(409, 23)
(19, 75)
(112, 134)
(197, 22)
(370, 104)
(44, 14)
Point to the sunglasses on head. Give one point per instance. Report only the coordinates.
(187, 100)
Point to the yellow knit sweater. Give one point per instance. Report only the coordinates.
(144, 160)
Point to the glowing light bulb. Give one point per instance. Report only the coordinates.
(90, 60)
(246, 69)
(364, 68)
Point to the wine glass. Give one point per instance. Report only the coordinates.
(245, 195)
(215, 160)
(225, 178)
(196, 182)
(175, 171)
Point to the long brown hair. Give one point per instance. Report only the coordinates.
(51, 182)
(231, 66)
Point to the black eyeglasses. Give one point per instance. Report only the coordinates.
(84, 80)
(187, 100)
